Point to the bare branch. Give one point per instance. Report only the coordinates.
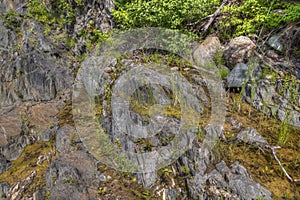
(213, 17)
(273, 148)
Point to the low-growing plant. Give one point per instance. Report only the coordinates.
(284, 131)
(174, 14)
(253, 17)
(37, 10)
(224, 73)
(12, 19)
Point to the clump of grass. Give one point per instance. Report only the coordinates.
(284, 132)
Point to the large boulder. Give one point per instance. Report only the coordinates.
(264, 97)
(205, 52)
(238, 183)
(72, 175)
(237, 77)
(239, 50)
(31, 71)
(66, 139)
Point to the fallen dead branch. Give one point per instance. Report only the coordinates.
(262, 147)
(213, 17)
(273, 149)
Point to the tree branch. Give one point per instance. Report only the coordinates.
(273, 148)
(213, 17)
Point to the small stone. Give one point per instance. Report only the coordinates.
(251, 136)
(38, 195)
(102, 178)
(237, 76)
(41, 159)
(272, 54)
(274, 42)
(108, 69)
(269, 76)
(236, 124)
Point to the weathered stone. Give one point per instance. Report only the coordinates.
(236, 179)
(237, 76)
(42, 116)
(72, 174)
(241, 183)
(250, 136)
(13, 4)
(239, 50)
(11, 123)
(32, 73)
(64, 138)
(4, 164)
(69, 192)
(236, 124)
(16, 191)
(263, 97)
(4, 188)
(15, 147)
(47, 134)
(274, 42)
(205, 52)
(38, 195)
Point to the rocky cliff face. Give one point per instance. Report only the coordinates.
(35, 82)
(42, 155)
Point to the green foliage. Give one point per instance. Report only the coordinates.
(224, 73)
(247, 17)
(284, 132)
(102, 191)
(254, 16)
(290, 86)
(185, 169)
(59, 11)
(174, 14)
(218, 58)
(97, 36)
(12, 19)
(292, 13)
(37, 10)
(64, 10)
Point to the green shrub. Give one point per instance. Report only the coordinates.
(12, 19)
(243, 17)
(251, 17)
(59, 11)
(174, 14)
(38, 11)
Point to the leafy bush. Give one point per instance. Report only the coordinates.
(174, 14)
(241, 17)
(38, 11)
(249, 17)
(12, 19)
(59, 11)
